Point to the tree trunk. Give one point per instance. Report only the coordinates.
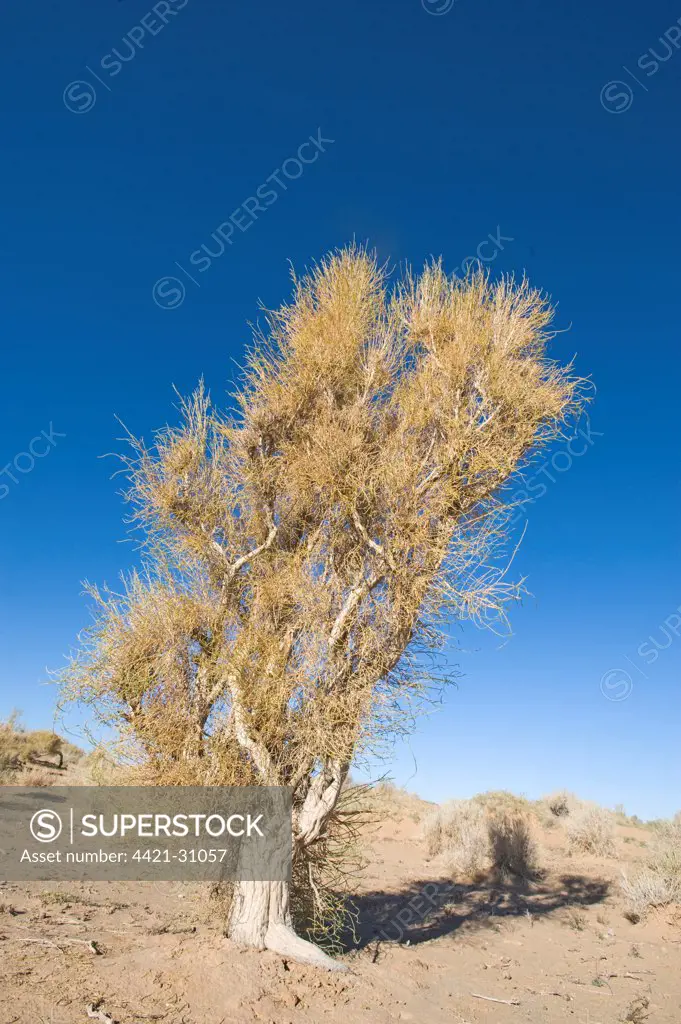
(260, 917)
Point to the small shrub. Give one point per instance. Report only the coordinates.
(636, 1014)
(643, 891)
(20, 748)
(52, 896)
(388, 800)
(592, 831)
(666, 853)
(658, 883)
(513, 848)
(432, 832)
(500, 801)
(11, 747)
(576, 919)
(458, 831)
(655, 824)
(559, 804)
(563, 804)
(42, 743)
(36, 777)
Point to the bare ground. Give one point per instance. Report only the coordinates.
(426, 950)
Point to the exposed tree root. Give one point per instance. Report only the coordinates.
(260, 918)
(283, 940)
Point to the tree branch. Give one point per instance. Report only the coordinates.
(320, 800)
(379, 549)
(249, 739)
(357, 594)
(244, 559)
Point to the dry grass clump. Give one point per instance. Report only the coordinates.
(471, 838)
(658, 883)
(37, 777)
(513, 848)
(636, 1012)
(575, 918)
(458, 831)
(591, 830)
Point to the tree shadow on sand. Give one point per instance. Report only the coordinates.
(429, 909)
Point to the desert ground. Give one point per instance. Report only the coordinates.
(428, 947)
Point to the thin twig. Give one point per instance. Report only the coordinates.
(491, 999)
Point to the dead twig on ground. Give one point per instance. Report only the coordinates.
(90, 944)
(491, 999)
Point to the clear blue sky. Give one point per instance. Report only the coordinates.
(446, 128)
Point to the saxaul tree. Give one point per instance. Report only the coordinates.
(305, 548)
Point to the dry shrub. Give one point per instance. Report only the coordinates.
(20, 747)
(563, 804)
(591, 830)
(513, 848)
(327, 875)
(658, 883)
(666, 854)
(647, 889)
(432, 832)
(490, 828)
(636, 1012)
(389, 800)
(37, 777)
(458, 831)
(557, 808)
(11, 747)
(575, 918)
(500, 801)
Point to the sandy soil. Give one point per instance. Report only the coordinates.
(557, 951)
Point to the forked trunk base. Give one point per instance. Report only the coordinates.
(260, 918)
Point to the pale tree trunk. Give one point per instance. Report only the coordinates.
(260, 917)
(260, 914)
